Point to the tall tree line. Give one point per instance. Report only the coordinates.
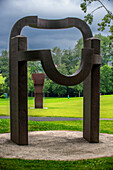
(67, 62)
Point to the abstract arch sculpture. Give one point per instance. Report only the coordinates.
(89, 72)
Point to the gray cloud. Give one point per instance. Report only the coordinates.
(12, 10)
(64, 38)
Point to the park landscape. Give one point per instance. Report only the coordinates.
(57, 107)
(60, 107)
(57, 103)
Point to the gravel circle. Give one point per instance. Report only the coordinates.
(56, 145)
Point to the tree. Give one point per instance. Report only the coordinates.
(2, 85)
(4, 63)
(57, 55)
(107, 18)
(33, 67)
(70, 60)
(106, 81)
(77, 51)
(4, 69)
(106, 47)
(47, 90)
(59, 89)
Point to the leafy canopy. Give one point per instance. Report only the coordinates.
(107, 20)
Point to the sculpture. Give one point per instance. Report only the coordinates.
(38, 80)
(89, 72)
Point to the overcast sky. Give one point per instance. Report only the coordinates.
(12, 10)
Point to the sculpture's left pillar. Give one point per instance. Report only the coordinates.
(18, 92)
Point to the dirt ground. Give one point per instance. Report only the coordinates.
(56, 145)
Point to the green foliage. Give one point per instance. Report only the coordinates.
(4, 63)
(4, 70)
(47, 86)
(106, 82)
(106, 23)
(89, 18)
(33, 67)
(2, 96)
(106, 46)
(57, 55)
(59, 90)
(69, 60)
(111, 30)
(2, 88)
(106, 20)
(77, 51)
(66, 62)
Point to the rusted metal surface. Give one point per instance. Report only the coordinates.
(51, 71)
(35, 22)
(18, 92)
(38, 80)
(89, 67)
(92, 97)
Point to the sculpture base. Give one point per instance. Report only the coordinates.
(43, 143)
(38, 108)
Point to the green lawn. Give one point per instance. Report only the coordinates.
(62, 107)
(106, 126)
(59, 107)
(19, 164)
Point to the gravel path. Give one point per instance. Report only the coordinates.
(53, 118)
(56, 145)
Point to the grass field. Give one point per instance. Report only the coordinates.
(59, 107)
(62, 107)
(106, 126)
(92, 164)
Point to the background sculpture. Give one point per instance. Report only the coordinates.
(38, 80)
(89, 72)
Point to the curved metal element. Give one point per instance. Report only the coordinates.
(47, 62)
(77, 77)
(48, 65)
(20, 24)
(66, 23)
(35, 22)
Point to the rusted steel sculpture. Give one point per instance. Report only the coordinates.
(89, 72)
(38, 80)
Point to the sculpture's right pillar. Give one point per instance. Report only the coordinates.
(91, 103)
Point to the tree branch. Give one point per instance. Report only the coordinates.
(105, 7)
(96, 9)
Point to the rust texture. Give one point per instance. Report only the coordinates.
(38, 80)
(88, 72)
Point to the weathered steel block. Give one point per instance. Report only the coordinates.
(91, 99)
(38, 80)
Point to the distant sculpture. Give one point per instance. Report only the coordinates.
(88, 72)
(38, 80)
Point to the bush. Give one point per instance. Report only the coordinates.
(2, 96)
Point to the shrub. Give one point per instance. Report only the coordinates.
(2, 96)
